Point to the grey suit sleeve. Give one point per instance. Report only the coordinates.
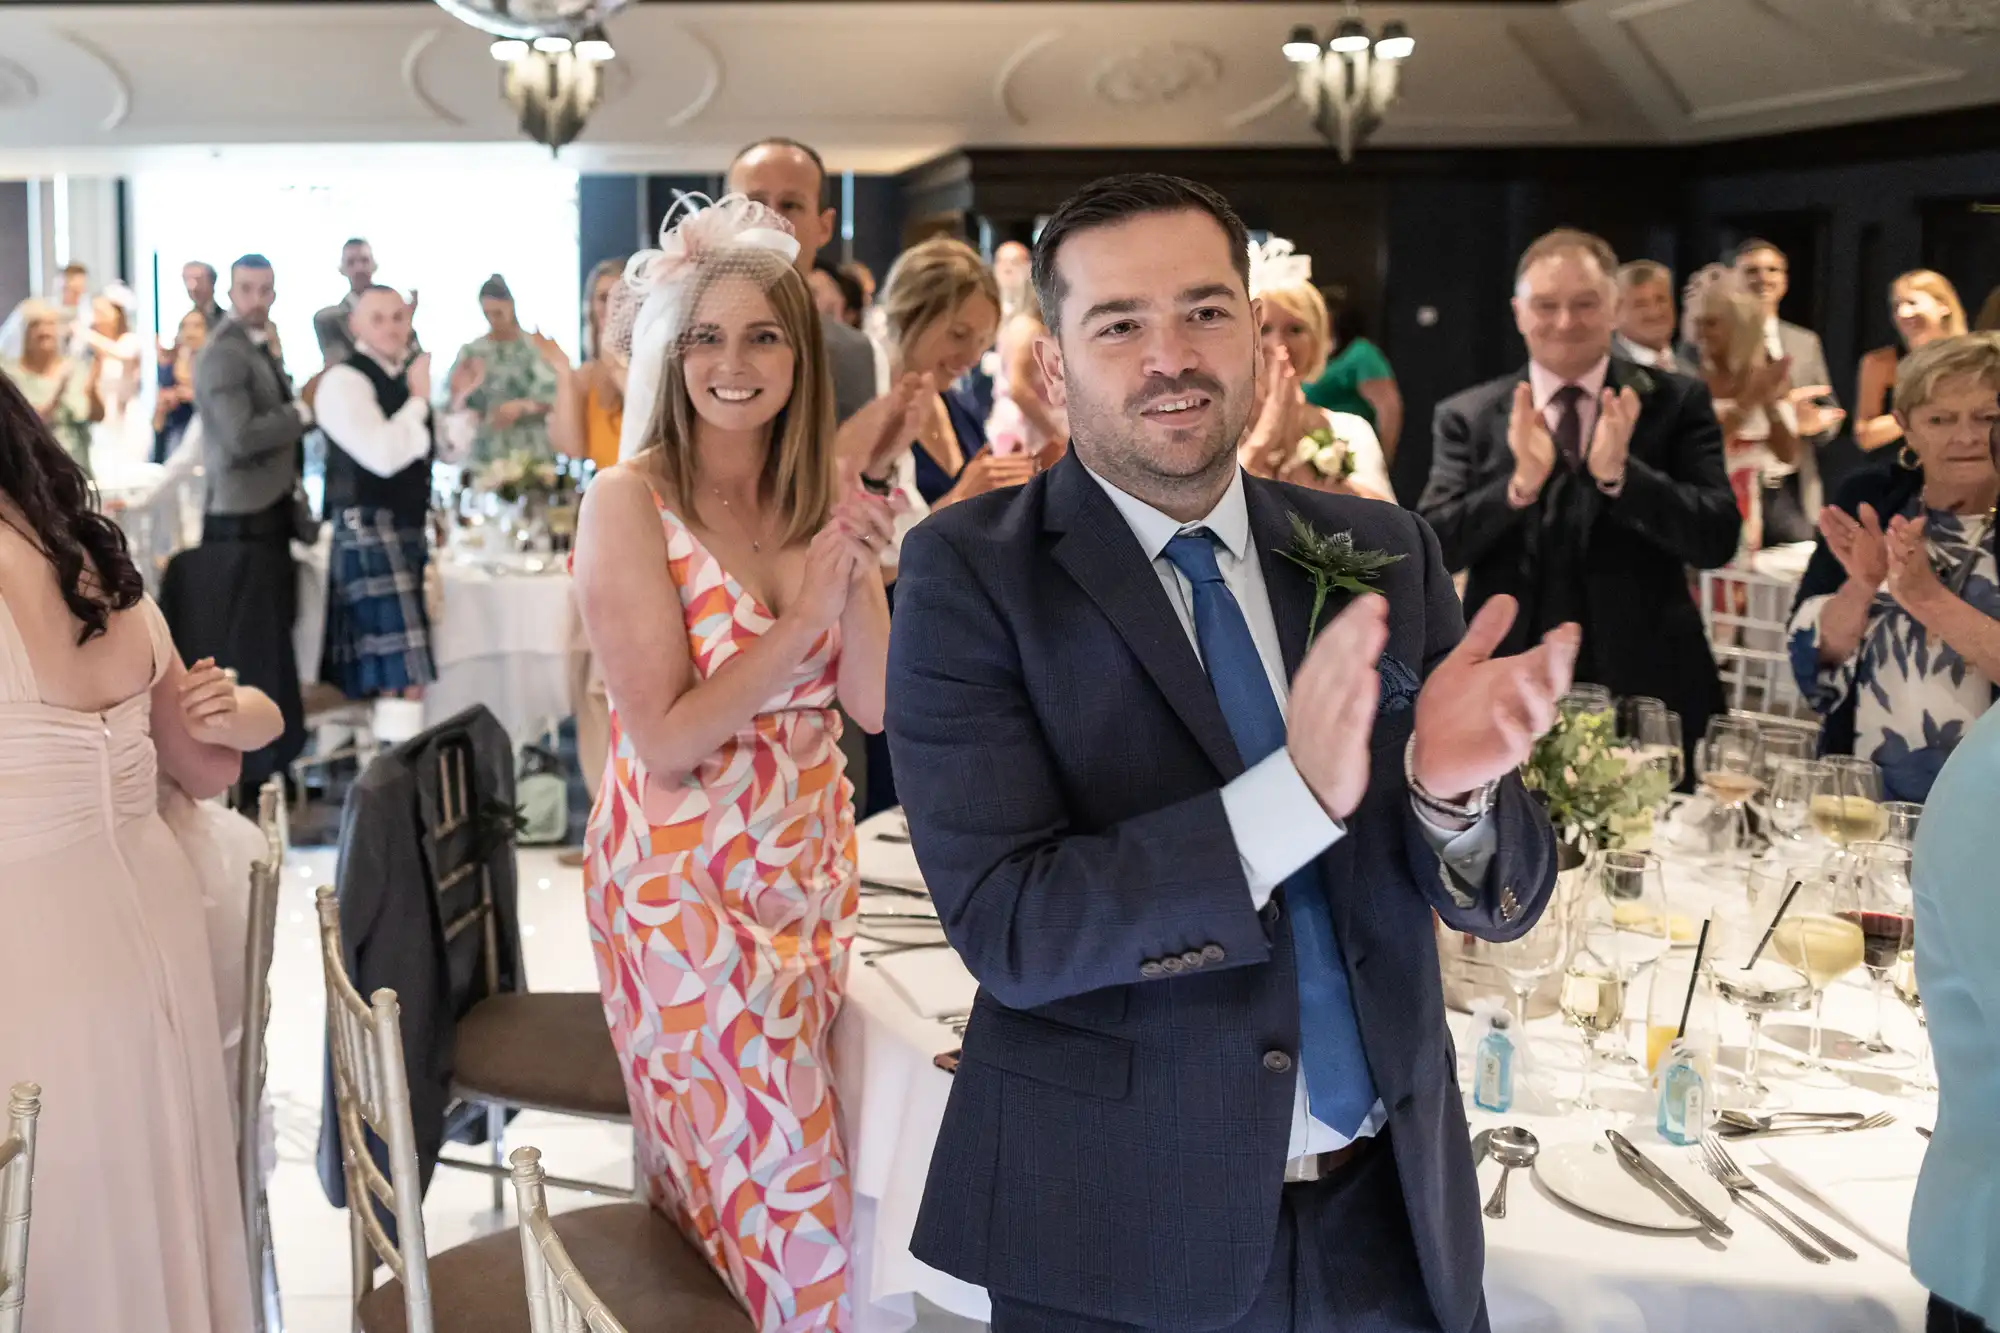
(852, 359)
(1038, 910)
(229, 416)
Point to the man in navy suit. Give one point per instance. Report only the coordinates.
(1191, 851)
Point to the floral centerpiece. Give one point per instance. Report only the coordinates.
(517, 477)
(1593, 791)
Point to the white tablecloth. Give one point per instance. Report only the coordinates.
(503, 642)
(1549, 1268)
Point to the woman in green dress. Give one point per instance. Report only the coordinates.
(1358, 379)
(61, 389)
(519, 390)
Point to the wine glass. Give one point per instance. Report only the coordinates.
(1794, 783)
(1593, 1002)
(1530, 958)
(1782, 743)
(1819, 937)
(1633, 710)
(1659, 733)
(1769, 986)
(1626, 924)
(1586, 698)
(1848, 804)
(1903, 817)
(1904, 979)
(1884, 907)
(1730, 764)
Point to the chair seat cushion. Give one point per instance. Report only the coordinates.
(637, 1262)
(548, 1050)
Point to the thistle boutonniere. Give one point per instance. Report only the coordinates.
(1332, 562)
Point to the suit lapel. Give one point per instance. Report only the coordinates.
(1097, 549)
(1289, 587)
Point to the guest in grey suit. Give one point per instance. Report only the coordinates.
(789, 177)
(1646, 320)
(234, 597)
(1791, 501)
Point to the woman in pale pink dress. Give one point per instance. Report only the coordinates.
(106, 993)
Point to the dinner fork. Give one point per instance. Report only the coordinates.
(1732, 1178)
(1739, 1129)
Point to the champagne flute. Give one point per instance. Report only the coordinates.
(1904, 979)
(1903, 817)
(1848, 805)
(1819, 937)
(1530, 958)
(1883, 908)
(1633, 710)
(1794, 782)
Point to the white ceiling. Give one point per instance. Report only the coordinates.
(881, 86)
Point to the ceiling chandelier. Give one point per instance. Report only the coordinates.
(1348, 81)
(551, 53)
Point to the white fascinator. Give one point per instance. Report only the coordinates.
(701, 243)
(1275, 265)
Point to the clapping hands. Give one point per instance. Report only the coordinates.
(1913, 582)
(1858, 543)
(1479, 715)
(1611, 441)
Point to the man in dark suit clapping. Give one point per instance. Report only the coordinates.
(1192, 860)
(1584, 486)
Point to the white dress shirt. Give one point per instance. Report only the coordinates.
(1278, 824)
(1659, 358)
(347, 410)
(1773, 344)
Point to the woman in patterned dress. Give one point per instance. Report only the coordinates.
(719, 869)
(1896, 635)
(519, 389)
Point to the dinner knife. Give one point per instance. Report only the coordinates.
(1641, 1166)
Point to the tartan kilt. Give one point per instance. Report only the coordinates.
(378, 639)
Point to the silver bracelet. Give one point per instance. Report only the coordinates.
(1472, 809)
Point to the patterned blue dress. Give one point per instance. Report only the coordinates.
(1914, 696)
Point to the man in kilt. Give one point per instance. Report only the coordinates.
(376, 413)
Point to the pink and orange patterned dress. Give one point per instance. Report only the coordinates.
(722, 907)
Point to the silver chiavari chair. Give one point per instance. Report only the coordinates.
(252, 1058)
(371, 1091)
(17, 1181)
(664, 1284)
(559, 1300)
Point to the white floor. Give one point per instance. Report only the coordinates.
(311, 1236)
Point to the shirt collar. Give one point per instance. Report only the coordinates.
(1544, 382)
(1770, 327)
(389, 368)
(1229, 520)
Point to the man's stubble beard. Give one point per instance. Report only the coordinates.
(1107, 439)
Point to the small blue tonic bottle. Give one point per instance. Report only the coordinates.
(1493, 1067)
(1683, 1097)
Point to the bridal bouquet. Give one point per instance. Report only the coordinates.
(1330, 454)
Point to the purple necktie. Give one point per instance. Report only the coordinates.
(1569, 425)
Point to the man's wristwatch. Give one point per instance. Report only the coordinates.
(1471, 810)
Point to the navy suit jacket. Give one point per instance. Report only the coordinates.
(1114, 1145)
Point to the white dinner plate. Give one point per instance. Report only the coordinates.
(1589, 1176)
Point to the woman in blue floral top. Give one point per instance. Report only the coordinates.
(1896, 635)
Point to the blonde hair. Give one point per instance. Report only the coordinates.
(1304, 303)
(928, 282)
(1936, 286)
(1716, 291)
(602, 269)
(1917, 379)
(798, 464)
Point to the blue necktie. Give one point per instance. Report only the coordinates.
(1339, 1090)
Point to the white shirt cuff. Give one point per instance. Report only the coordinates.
(1278, 824)
(1464, 853)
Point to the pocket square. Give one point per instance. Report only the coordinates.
(1399, 685)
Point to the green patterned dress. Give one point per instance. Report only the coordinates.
(68, 387)
(514, 369)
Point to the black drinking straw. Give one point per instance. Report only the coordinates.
(1694, 977)
(1772, 929)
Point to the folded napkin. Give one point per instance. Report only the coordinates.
(1867, 1178)
(931, 981)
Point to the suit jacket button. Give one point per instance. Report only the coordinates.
(1193, 958)
(1151, 971)
(1277, 1062)
(1212, 953)
(1510, 906)
(1173, 965)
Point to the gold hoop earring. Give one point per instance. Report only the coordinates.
(1907, 459)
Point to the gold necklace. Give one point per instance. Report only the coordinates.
(742, 528)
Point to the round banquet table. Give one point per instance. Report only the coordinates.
(1550, 1268)
(503, 640)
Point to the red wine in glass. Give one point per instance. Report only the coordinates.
(1884, 935)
